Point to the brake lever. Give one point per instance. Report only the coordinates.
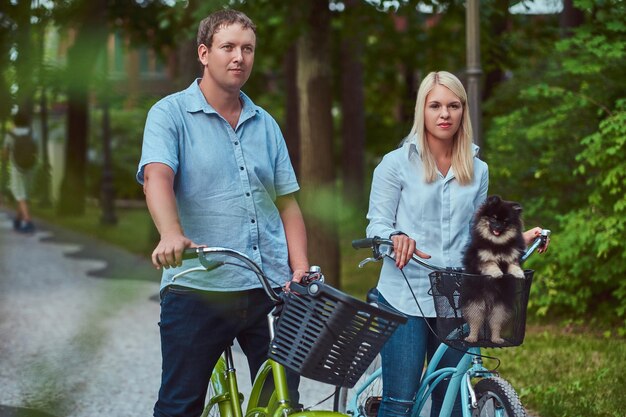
(366, 261)
(186, 271)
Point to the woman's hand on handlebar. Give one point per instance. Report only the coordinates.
(169, 251)
(404, 248)
(534, 233)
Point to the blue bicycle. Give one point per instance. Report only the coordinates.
(483, 392)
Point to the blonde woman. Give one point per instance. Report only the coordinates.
(423, 196)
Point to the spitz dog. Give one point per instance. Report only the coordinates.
(496, 247)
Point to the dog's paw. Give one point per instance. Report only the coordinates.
(516, 271)
(497, 340)
(471, 339)
(492, 271)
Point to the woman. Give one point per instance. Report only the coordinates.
(423, 196)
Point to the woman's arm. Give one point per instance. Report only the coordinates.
(530, 235)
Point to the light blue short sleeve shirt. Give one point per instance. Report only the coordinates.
(436, 215)
(226, 184)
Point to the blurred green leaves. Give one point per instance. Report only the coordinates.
(556, 143)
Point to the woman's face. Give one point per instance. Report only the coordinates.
(443, 113)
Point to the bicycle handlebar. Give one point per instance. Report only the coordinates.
(375, 242)
(211, 264)
(207, 259)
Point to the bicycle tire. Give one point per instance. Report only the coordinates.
(495, 397)
(368, 400)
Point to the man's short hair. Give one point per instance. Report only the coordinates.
(211, 24)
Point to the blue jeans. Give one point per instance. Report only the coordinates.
(196, 327)
(403, 361)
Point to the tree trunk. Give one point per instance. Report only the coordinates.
(497, 54)
(25, 62)
(352, 108)
(82, 57)
(292, 122)
(318, 196)
(571, 17)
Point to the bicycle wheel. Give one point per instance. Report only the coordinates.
(497, 398)
(368, 401)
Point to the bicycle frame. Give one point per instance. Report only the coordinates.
(470, 365)
(224, 377)
(229, 399)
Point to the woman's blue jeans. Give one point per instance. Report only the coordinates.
(403, 359)
(196, 327)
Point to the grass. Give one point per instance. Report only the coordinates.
(558, 372)
(563, 373)
(134, 230)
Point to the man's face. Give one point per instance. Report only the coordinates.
(228, 63)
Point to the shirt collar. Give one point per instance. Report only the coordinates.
(413, 147)
(195, 102)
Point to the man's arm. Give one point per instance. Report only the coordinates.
(295, 231)
(159, 190)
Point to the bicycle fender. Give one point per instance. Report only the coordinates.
(218, 377)
(258, 388)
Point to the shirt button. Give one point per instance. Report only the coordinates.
(241, 168)
(247, 194)
(253, 221)
(236, 143)
(254, 248)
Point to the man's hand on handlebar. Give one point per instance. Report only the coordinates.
(404, 248)
(169, 251)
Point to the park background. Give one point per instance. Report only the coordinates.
(340, 77)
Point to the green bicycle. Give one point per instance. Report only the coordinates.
(316, 330)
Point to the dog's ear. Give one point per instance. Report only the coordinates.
(494, 199)
(517, 207)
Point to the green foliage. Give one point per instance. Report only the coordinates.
(126, 138)
(556, 143)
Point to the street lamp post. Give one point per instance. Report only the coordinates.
(474, 72)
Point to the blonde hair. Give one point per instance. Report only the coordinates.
(462, 152)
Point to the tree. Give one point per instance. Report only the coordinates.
(352, 105)
(89, 41)
(559, 149)
(317, 171)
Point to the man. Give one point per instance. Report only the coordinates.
(23, 157)
(216, 172)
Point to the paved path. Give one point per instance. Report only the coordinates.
(78, 329)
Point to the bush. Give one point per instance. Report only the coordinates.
(559, 150)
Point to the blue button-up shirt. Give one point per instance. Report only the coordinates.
(437, 215)
(226, 183)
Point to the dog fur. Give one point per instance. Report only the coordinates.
(495, 249)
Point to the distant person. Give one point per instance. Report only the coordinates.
(21, 149)
(216, 171)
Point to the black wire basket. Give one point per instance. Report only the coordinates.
(478, 310)
(329, 336)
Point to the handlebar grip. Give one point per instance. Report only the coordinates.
(191, 253)
(362, 243)
(297, 287)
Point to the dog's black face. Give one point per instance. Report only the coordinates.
(498, 220)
